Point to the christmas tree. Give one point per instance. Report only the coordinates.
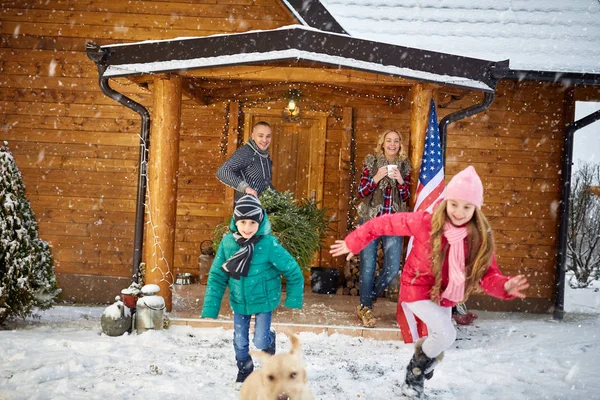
(27, 278)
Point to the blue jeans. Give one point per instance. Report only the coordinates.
(241, 333)
(371, 287)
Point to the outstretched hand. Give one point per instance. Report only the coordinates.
(339, 248)
(515, 285)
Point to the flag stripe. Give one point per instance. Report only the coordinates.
(427, 195)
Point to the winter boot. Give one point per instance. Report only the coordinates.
(420, 368)
(245, 368)
(365, 315)
(273, 346)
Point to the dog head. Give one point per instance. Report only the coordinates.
(283, 376)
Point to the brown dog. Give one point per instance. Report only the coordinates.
(282, 377)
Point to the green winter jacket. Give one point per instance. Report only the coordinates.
(260, 291)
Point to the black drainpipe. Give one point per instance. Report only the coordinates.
(98, 56)
(559, 304)
(488, 98)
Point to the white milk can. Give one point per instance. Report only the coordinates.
(150, 309)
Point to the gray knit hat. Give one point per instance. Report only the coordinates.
(248, 207)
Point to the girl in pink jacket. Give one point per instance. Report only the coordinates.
(452, 256)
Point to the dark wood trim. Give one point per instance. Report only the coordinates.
(315, 15)
(299, 38)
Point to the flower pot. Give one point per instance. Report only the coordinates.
(324, 280)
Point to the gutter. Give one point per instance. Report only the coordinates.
(488, 98)
(99, 57)
(559, 291)
(568, 78)
(496, 72)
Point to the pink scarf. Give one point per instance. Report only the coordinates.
(455, 291)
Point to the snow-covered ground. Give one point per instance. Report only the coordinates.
(64, 355)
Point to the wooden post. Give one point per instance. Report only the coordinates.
(420, 97)
(161, 206)
(232, 145)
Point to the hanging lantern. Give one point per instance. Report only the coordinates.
(291, 112)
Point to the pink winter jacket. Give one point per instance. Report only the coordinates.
(417, 278)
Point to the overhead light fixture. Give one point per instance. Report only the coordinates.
(291, 112)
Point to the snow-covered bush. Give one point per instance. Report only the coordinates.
(27, 276)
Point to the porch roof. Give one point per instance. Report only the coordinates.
(298, 43)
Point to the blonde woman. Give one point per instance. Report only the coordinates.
(384, 187)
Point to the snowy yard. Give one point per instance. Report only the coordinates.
(64, 355)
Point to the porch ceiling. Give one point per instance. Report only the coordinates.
(293, 44)
(213, 91)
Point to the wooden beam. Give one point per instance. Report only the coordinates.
(420, 97)
(232, 146)
(221, 90)
(298, 74)
(161, 204)
(190, 90)
(587, 93)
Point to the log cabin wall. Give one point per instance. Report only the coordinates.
(516, 147)
(78, 149)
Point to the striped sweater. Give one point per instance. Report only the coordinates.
(247, 167)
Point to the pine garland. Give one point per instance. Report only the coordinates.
(27, 277)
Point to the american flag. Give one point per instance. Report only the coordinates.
(431, 177)
(430, 190)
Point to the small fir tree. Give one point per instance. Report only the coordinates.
(27, 278)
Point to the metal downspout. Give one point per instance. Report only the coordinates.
(98, 56)
(488, 98)
(559, 304)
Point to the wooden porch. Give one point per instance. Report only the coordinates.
(331, 313)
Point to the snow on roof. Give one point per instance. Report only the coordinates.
(246, 58)
(540, 35)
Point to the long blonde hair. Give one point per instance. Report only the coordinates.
(379, 147)
(480, 249)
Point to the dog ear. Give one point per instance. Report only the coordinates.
(260, 355)
(296, 350)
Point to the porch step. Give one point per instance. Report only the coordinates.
(320, 313)
(290, 328)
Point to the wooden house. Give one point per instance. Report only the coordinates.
(120, 113)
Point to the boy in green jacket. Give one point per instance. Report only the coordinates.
(251, 260)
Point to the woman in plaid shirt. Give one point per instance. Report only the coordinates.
(385, 188)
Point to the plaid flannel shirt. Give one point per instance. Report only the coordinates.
(367, 186)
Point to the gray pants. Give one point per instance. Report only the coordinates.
(440, 329)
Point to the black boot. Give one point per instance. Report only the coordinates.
(272, 347)
(420, 368)
(245, 368)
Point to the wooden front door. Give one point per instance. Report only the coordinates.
(298, 153)
(297, 150)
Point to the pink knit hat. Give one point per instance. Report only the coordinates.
(466, 185)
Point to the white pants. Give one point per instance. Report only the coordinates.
(440, 329)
